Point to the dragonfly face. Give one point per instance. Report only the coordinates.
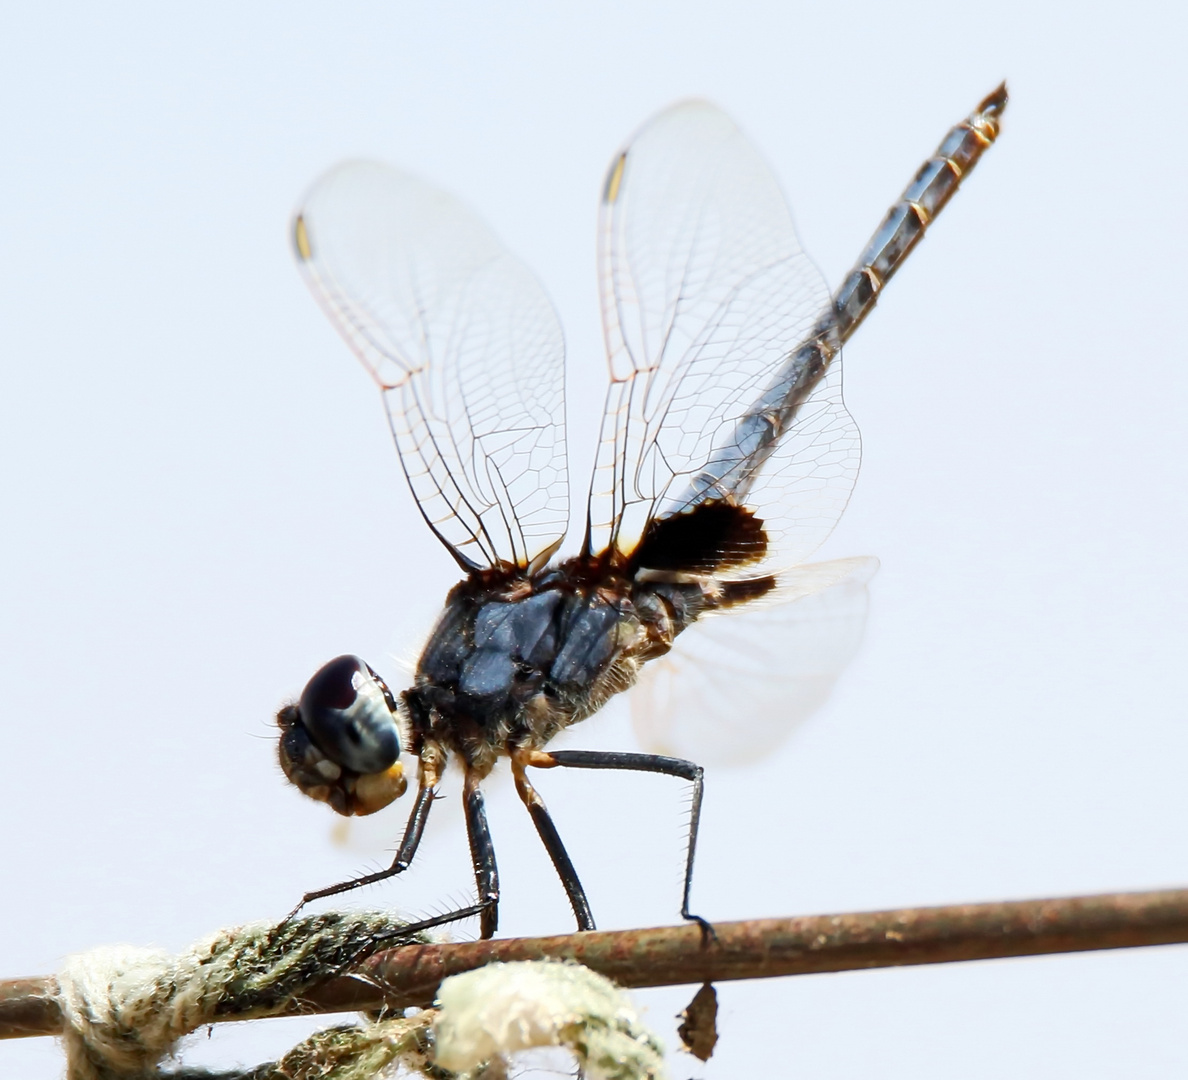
(340, 744)
(725, 458)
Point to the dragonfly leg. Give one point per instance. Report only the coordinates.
(413, 832)
(552, 842)
(482, 856)
(653, 763)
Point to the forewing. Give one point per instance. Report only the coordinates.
(735, 685)
(706, 295)
(465, 347)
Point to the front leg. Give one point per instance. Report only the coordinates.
(413, 832)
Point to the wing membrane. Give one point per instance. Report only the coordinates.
(465, 347)
(706, 296)
(713, 697)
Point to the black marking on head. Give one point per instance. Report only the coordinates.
(711, 536)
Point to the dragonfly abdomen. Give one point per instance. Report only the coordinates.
(732, 471)
(906, 222)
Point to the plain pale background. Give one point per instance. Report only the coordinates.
(201, 502)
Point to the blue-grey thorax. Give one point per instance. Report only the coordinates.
(510, 665)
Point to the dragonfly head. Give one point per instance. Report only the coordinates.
(340, 744)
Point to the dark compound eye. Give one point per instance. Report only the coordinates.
(349, 713)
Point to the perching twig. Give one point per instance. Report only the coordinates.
(753, 949)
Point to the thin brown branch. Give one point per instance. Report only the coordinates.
(754, 949)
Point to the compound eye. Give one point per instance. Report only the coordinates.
(350, 714)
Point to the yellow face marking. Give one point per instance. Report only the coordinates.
(301, 239)
(615, 179)
(374, 791)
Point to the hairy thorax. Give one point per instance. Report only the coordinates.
(513, 660)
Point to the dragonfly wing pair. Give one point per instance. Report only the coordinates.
(705, 296)
(465, 347)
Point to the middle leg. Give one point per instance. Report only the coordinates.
(482, 856)
(551, 840)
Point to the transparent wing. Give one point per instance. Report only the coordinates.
(465, 347)
(735, 685)
(706, 296)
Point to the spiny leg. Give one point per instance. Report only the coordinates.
(434, 921)
(552, 842)
(404, 854)
(482, 856)
(654, 763)
(404, 935)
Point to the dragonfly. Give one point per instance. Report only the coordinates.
(725, 457)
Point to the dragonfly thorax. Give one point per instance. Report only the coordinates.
(511, 664)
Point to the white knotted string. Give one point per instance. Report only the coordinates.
(125, 1009)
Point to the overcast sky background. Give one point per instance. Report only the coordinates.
(202, 504)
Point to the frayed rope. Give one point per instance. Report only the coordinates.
(125, 1009)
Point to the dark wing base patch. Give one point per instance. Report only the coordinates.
(711, 536)
(742, 592)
